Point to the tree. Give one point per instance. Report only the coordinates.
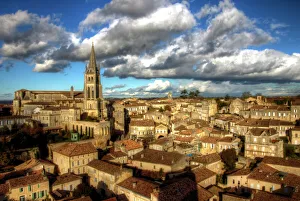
(4, 130)
(227, 97)
(183, 93)
(229, 157)
(246, 94)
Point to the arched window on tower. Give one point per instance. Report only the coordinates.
(88, 92)
(88, 78)
(92, 92)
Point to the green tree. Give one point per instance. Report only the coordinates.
(246, 94)
(183, 93)
(227, 97)
(229, 157)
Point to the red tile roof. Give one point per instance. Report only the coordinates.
(75, 149)
(202, 174)
(106, 167)
(211, 140)
(129, 144)
(291, 162)
(26, 180)
(207, 159)
(65, 178)
(139, 186)
(176, 191)
(158, 157)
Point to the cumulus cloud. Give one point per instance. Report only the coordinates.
(121, 8)
(154, 39)
(51, 66)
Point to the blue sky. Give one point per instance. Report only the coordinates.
(150, 47)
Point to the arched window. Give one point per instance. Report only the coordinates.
(88, 92)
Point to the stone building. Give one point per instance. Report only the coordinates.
(154, 160)
(136, 189)
(104, 175)
(142, 129)
(289, 165)
(89, 102)
(295, 136)
(10, 120)
(238, 178)
(73, 157)
(29, 187)
(263, 142)
(66, 182)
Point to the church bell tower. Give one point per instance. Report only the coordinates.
(93, 98)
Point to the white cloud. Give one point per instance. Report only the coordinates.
(274, 26)
(121, 8)
(158, 86)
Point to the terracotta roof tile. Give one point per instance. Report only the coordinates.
(65, 178)
(75, 149)
(282, 161)
(202, 174)
(203, 194)
(241, 172)
(26, 180)
(4, 188)
(271, 175)
(176, 191)
(207, 159)
(207, 139)
(158, 157)
(139, 186)
(144, 122)
(104, 166)
(129, 144)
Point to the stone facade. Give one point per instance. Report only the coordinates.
(73, 157)
(31, 187)
(263, 142)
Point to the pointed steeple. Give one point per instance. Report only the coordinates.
(92, 63)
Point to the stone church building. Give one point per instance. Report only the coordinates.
(69, 109)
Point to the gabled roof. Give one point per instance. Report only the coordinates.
(104, 166)
(76, 149)
(202, 174)
(207, 159)
(158, 157)
(26, 180)
(140, 186)
(291, 162)
(66, 178)
(262, 131)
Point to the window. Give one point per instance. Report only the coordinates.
(264, 140)
(22, 198)
(33, 196)
(71, 187)
(95, 179)
(154, 167)
(29, 188)
(141, 164)
(72, 163)
(255, 139)
(233, 181)
(21, 190)
(38, 185)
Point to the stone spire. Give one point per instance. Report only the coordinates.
(92, 63)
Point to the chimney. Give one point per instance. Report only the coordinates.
(134, 184)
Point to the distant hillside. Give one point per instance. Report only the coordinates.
(6, 102)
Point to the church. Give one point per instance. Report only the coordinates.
(68, 109)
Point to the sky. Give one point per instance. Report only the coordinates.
(147, 48)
